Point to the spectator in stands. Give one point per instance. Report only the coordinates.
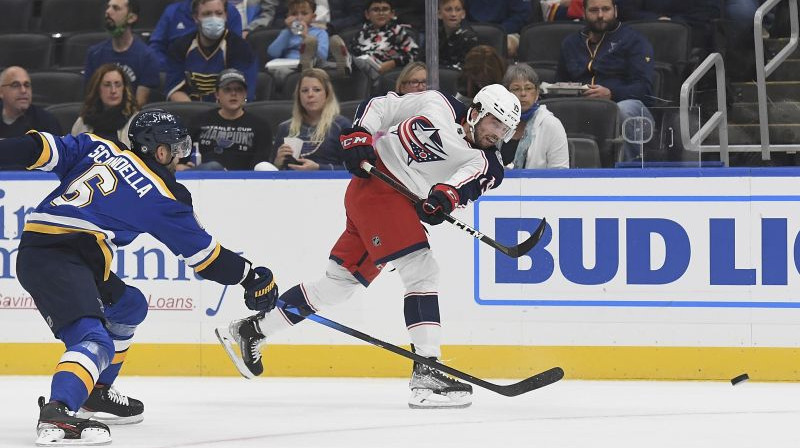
(178, 20)
(413, 78)
(195, 61)
(19, 115)
(540, 140)
(125, 49)
(563, 10)
(615, 61)
(109, 105)
(345, 14)
(271, 13)
(456, 37)
(510, 14)
(230, 138)
(264, 17)
(483, 65)
(698, 14)
(299, 39)
(316, 121)
(383, 43)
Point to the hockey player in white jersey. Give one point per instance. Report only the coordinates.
(445, 154)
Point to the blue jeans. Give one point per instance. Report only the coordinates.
(629, 109)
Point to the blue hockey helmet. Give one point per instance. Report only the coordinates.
(150, 128)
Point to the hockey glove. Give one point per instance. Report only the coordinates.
(442, 199)
(356, 147)
(260, 290)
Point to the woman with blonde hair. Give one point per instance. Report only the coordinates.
(413, 78)
(316, 122)
(109, 105)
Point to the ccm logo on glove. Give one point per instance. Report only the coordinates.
(347, 143)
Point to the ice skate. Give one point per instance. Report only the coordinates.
(58, 426)
(432, 389)
(107, 405)
(245, 334)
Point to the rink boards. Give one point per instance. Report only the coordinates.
(656, 274)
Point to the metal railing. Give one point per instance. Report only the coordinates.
(763, 71)
(720, 118)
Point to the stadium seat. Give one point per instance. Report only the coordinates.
(149, 13)
(583, 153)
(492, 35)
(541, 42)
(349, 33)
(590, 118)
(29, 50)
(348, 108)
(66, 114)
(265, 86)
(386, 82)
(70, 16)
(273, 112)
(75, 47)
(356, 86)
(545, 70)
(53, 87)
(259, 40)
(17, 15)
(185, 110)
(671, 43)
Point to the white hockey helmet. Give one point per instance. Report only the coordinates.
(497, 100)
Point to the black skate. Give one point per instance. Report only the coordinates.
(245, 334)
(107, 405)
(58, 426)
(432, 389)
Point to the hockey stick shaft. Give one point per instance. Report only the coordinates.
(512, 251)
(535, 382)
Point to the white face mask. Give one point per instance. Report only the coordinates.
(212, 27)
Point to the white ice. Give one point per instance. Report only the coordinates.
(362, 412)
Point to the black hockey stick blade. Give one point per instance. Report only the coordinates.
(512, 251)
(537, 381)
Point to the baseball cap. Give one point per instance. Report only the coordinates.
(230, 75)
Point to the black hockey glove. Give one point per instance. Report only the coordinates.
(357, 146)
(442, 199)
(260, 290)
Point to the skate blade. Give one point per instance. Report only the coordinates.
(54, 436)
(231, 348)
(110, 419)
(427, 399)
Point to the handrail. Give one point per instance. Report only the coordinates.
(720, 118)
(763, 71)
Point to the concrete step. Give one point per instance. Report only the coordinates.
(773, 46)
(745, 92)
(789, 70)
(787, 112)
(749, 134)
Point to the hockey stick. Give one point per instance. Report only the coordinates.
(537, 381)
(512, 251)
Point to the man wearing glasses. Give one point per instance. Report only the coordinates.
(19, 115)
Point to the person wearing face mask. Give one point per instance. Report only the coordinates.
(178, 20)
(195, 61)
(109, 105)
(138, 61)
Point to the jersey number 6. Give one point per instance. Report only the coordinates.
(80, 192)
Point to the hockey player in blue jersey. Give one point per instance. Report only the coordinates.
(107, 196)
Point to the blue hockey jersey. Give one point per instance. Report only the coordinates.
(112, 195)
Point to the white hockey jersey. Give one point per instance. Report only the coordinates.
(419, 138)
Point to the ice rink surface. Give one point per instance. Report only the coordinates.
(348, 413)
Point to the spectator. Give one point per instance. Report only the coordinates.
(698, 14)
(483, 66)
(264, 17)
(178, 20)
(615, 61)
(383, 43)
(195, 61)
(19, 115)
(316, 121)
(272, 12)
(299, 39)
(540, 140)
(230, 138)
(344, 14)
(125, 49)
(510, 14)
(413, 78)
(456, 37)
(563, 10)
(109, 105)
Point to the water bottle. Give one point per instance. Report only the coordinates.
(298, 27)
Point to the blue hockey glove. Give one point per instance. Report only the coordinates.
(260, 290)
(442, 199)
(357, 146)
